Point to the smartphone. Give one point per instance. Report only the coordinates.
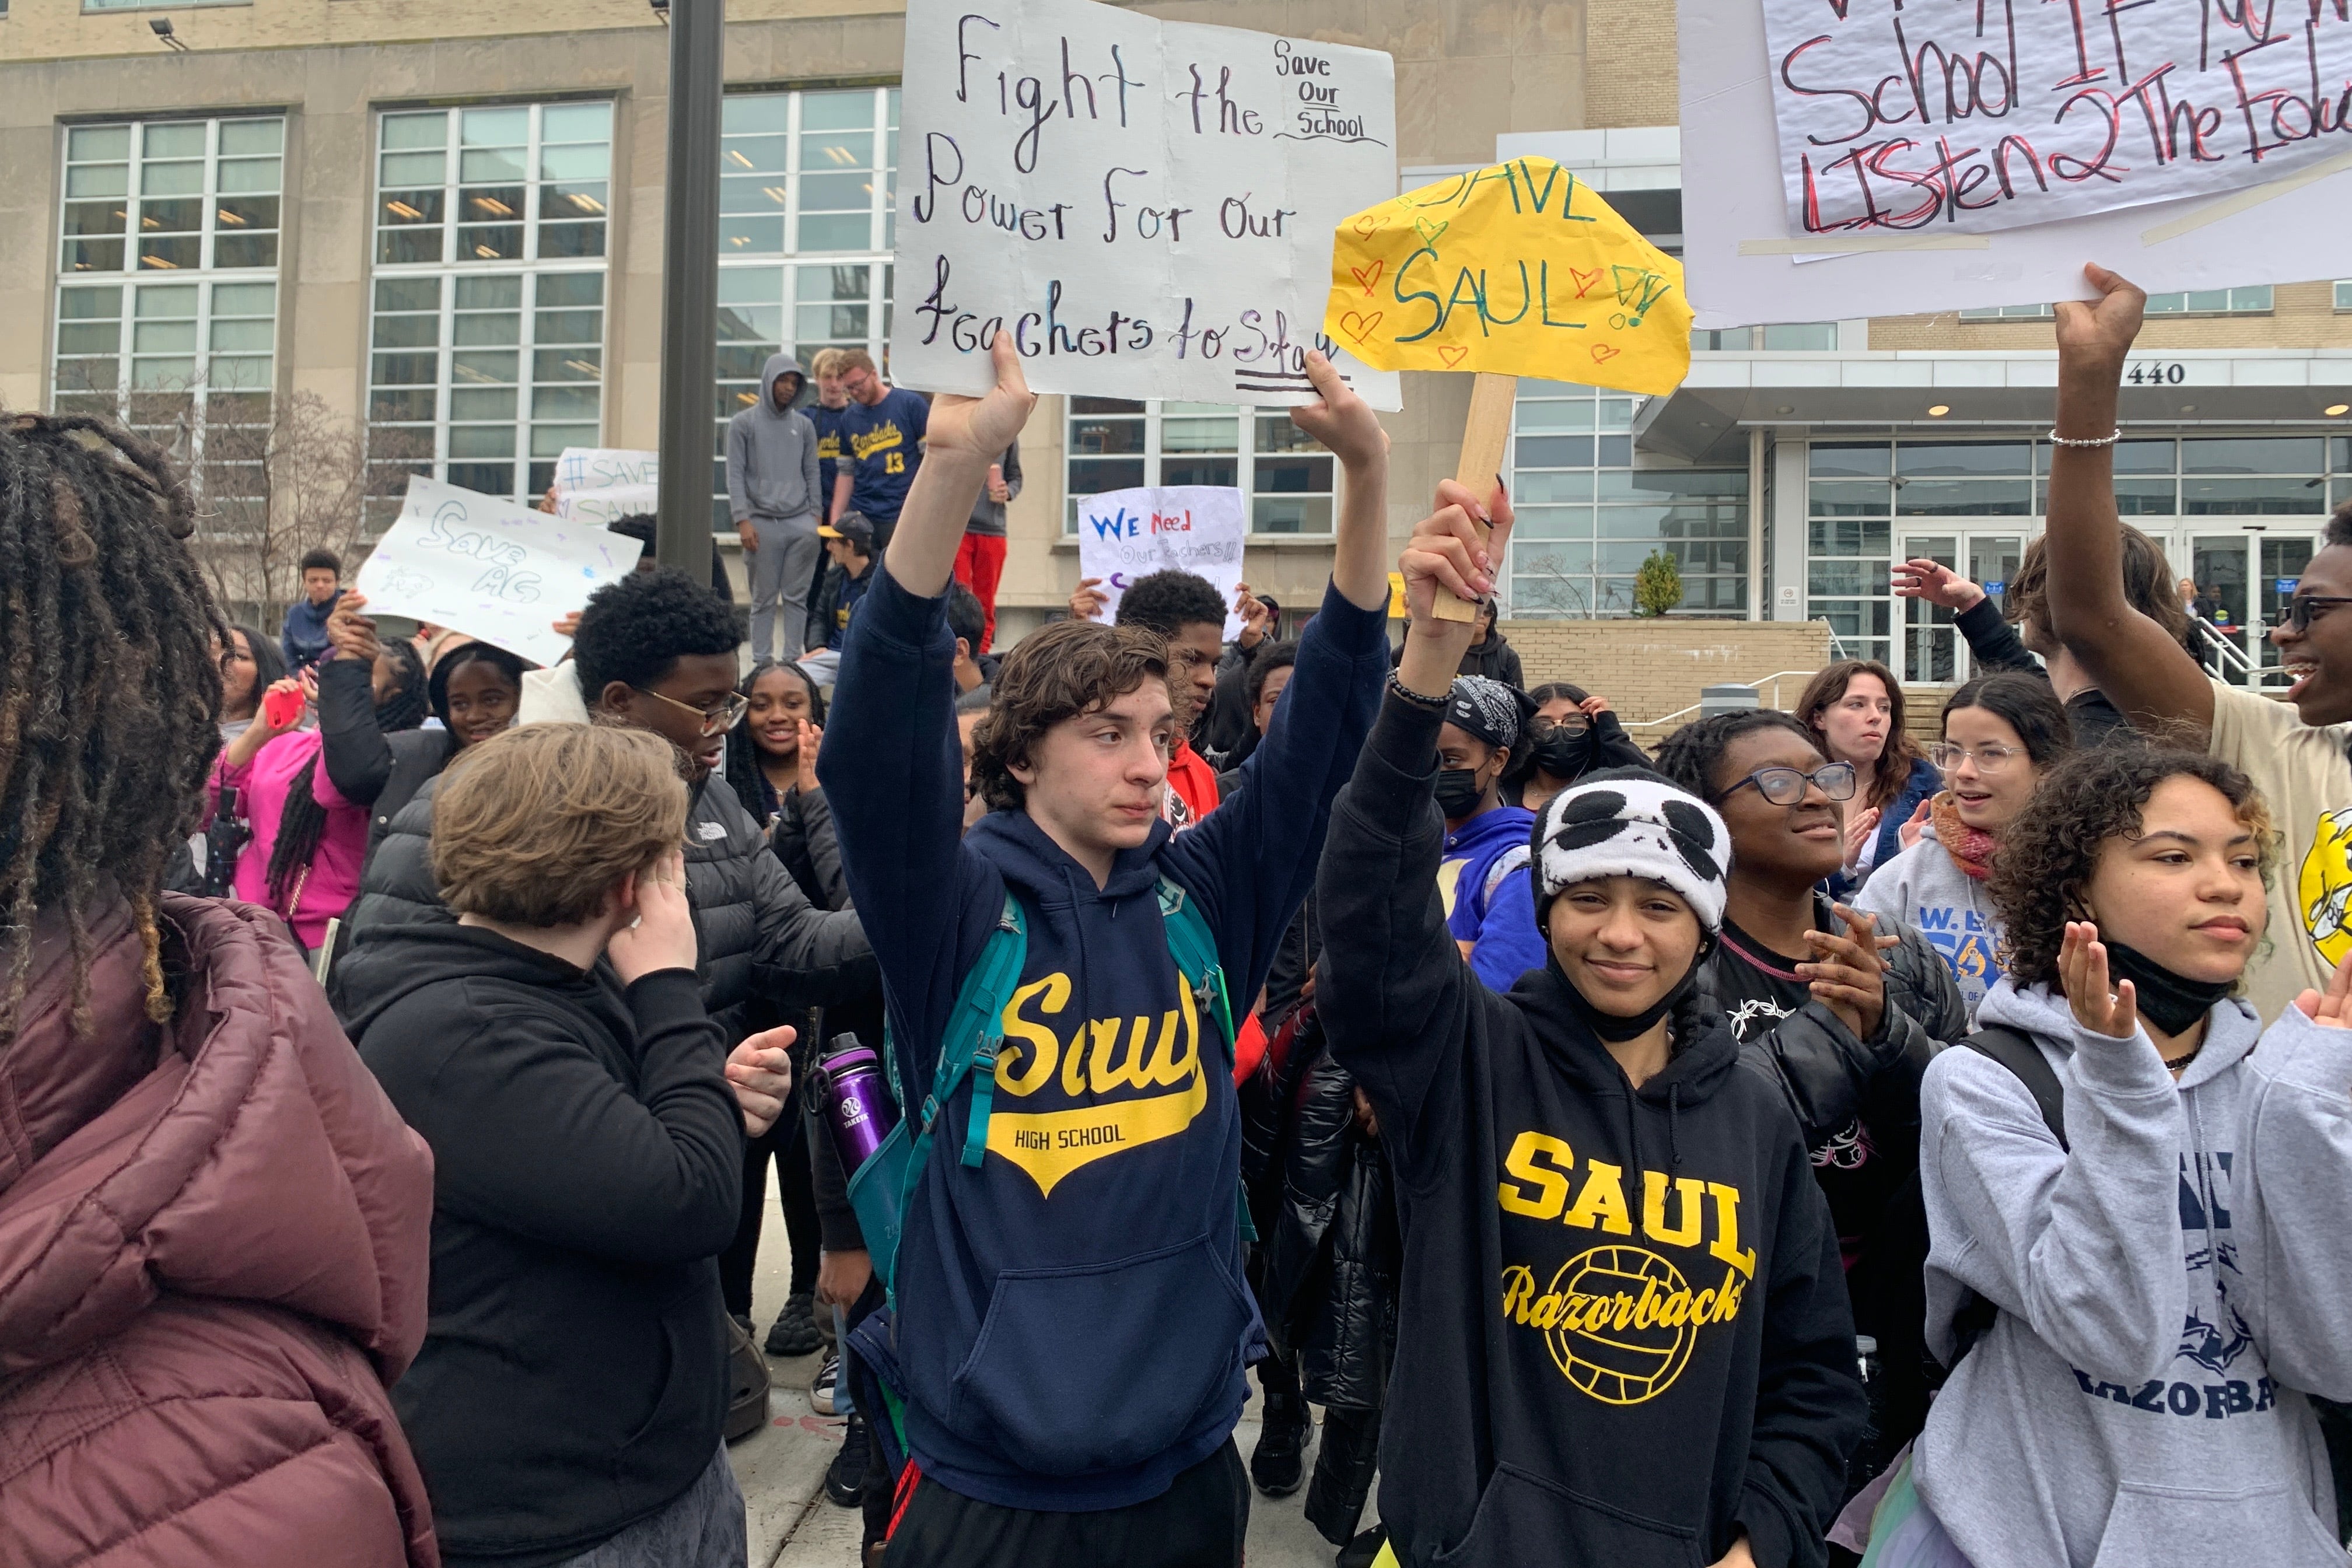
(281, 708)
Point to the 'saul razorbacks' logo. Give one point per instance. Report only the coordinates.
(1135, 1080)
(1621, 1320)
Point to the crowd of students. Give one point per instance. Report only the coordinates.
(1792, 1146)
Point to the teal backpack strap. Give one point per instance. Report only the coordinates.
(1194, 949)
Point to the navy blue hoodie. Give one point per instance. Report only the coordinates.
(1072, 1325)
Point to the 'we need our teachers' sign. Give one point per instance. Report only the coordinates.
(1147, 206)
(1127, 534)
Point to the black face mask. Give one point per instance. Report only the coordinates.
(1458, 792)
(1563, 755)
(2171, 1002)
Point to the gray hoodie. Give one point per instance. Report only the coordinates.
(771, 454)
(2170, 1292)
(1925, 887)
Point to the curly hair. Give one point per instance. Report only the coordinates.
(1883, 782)
(1281, 656)
(2050, 851)
(635, 630)
(1064, 669)
(1690, 756)
(109, 703)
(1166, 602)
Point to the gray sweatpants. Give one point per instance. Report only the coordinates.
(781, 570)
(704, 1528)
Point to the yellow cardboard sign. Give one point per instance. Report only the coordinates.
(1396, 596)
(1519, 269)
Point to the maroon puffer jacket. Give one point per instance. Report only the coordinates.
(214, 1237)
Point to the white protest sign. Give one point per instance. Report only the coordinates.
(1127, 534)
(1963, 116)
(491, 569)
(596, 484)
(1748, 259)
(1147, 206)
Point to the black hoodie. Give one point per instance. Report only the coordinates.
(587, 1166)
(1541, 1193)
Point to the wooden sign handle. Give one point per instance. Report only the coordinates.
(1483, 436)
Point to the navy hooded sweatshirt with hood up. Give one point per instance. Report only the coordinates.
(771, 470)
(1072, 1325)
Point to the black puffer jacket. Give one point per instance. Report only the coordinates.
(383, 772)
(758, 932)
(1827, 1075)
(1831, 1081)
(1332, 1258)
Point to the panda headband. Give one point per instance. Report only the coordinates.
(1630, 822)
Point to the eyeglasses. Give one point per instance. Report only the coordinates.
(726, 716)
(2295, 614)
(1786, 786)
(1988, 759)
(1572, 724)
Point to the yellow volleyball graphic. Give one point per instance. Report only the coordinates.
(1625, 1329)
(2324, 888)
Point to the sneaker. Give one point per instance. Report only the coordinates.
(1278, 1463)
(845, 1478)
(794, 1331)
(1363, 1552)
(820, 1386)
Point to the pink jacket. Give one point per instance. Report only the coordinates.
(334, 879)
(214, 1238)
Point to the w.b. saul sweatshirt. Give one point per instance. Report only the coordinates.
(2170, 1287)
(1927, 889)
(1624, 1337)
(1072, 1325)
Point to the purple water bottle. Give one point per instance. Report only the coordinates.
(856, 1099)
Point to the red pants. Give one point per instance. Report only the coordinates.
(979, 566)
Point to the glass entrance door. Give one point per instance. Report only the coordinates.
(1932, 650)
(2246, 575)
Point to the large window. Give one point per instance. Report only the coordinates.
(487, 333)
(1587, 517)
(2248, 302)
(1118, 444)
(806, 184)
(167, 294)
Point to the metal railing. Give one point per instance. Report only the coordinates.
(1683, 715)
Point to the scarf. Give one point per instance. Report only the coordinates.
(1972, 848)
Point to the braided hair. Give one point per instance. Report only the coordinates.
(303, 821)
(742, 762)
(110, 691)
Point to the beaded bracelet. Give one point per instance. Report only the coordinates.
(1433, 704)
(2107, 440)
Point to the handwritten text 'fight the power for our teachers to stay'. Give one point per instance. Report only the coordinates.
(1974, 115)
(1145, 207)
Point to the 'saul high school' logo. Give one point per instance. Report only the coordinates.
(1113, 1084)
(1621, 1320)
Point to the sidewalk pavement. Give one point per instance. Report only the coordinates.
(781, 1467)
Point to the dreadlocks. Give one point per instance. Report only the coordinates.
(109, 703)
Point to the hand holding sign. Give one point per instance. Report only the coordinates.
(1517, 270)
